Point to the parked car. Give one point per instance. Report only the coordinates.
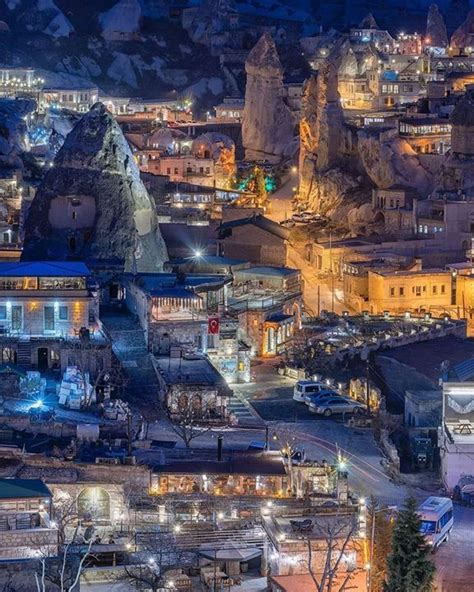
(308, 387)
(321, 396)
(336, 405)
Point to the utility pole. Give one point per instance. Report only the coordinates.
(372, 544)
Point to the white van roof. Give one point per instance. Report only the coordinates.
(435, 504)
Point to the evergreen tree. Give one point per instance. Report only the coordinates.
(382, 545)
(409, 567)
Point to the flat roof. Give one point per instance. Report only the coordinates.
(23, 488)
(271, 271)
(194, 371)
(245, 464)
(425, 120)
(210, 259)
(403, 273)
(44, 269)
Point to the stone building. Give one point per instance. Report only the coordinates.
(267, 302)
(256, 239)
(49, 317)
(190, 386)
(456, 436)
(73, 98)
(399, 291)
(26, 525)
(290, 549)
(187, 312)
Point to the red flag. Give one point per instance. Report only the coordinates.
(213, 325)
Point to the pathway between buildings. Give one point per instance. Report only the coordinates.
(128, 343)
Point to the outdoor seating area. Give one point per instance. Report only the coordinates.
(214, 578)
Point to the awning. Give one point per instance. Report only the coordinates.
(233, 554)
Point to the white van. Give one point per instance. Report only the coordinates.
(436, 514)
(308, 387)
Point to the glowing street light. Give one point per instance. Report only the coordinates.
(197, 254)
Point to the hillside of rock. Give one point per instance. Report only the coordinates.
(104, 212)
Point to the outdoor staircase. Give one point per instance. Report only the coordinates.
(24, 354)
(215, 539)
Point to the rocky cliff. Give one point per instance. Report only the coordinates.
(268, 124)
(321, 130)
(13, 136)
(392, 162)
(92, 203)
(436, 34)
(457, 171)
(463, 36)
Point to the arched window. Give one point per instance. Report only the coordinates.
(93, 503)
(182, 403)
(196, 403)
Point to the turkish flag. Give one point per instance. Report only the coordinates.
(213, 325)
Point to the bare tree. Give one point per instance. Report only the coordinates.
(336, 536)
(188, 424)
(63, 572)
(64, 513)
(149, 566)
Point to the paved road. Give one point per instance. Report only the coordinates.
(455, 559)
(317, 293)
(281, 206)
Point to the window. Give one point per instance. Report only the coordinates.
(63, 313)
(418, 290)
(49, 318)
(442, 289)
(3, 312)
(74, 214)
(446, 518)
(435, 289)
(392, 291)
(17, 318)
(402, 291)
(168, 171)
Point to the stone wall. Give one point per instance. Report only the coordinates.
(16, 544)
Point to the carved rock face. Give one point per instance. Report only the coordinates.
(268, 124)
(463, 36)
(435, 28)
(93, 204)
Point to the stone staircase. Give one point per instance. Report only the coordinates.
(24, 354)
(128, 344)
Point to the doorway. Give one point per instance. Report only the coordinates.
(43, 358)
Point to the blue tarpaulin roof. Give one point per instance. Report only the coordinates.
(44, 269)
